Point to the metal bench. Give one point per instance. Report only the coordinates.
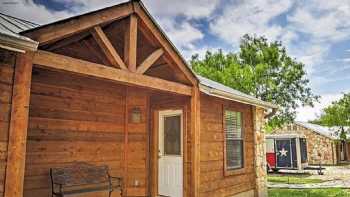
(81, 177)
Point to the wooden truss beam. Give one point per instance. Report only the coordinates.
(62, 29)
(18, 126)
(63, 63)
(149, 61)
(107, 47)
(130, 46)
(67, 41)
(100, 56)
(162, 39)
(195, 147)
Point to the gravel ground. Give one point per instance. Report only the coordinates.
(334, 177)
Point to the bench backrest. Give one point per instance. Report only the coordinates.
(79, 173)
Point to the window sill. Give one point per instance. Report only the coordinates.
(233, 172)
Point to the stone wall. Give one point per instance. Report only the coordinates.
(260, 152)
(320, 149)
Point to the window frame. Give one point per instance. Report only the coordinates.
(228, 171)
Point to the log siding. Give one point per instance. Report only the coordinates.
(7, 65)
(80, 119)
(213, 181)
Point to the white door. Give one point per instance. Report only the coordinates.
(170, 162)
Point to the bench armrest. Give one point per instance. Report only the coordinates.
(60, 187)
(112, 178)
(116, 177)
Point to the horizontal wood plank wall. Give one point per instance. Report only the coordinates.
(164, 102)
(137, 149)
(213, 182)
(74, 118)
(7, 61)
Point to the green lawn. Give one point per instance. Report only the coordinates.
(309, 192)
(292, 179)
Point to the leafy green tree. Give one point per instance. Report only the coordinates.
(337, 115)
(262, 69)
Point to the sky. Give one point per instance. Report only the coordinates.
(315, 32)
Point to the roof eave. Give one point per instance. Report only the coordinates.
(17, 43)
(289, 135)
(238, 98)
(318, 132)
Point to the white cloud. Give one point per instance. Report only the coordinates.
(323, 23)
(310, 54)
(310, 113)
(182, 34)
(33, 12)
(310, 29)
(346, 60)
(321, 20)
(167, 8)
(253, 17)
(201, 51)
(189, 8)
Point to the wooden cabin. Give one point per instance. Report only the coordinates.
(108, 87)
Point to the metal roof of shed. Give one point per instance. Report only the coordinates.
(322, 130)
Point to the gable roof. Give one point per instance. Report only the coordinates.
(206, 86)
(10, 39)
(322, 130)
(57, 30)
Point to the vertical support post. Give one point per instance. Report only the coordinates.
(297, 145)
(126, 142)
(195, 149)
(130, 46)
(154, 153)
(18, 126)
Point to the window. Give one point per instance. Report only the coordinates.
(233, 139)
(172, 135)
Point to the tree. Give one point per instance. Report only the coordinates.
(262, 69)
(337, 115)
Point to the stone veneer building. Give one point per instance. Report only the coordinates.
(323, 146)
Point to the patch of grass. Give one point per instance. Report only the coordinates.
(293, 180)
(334, 192)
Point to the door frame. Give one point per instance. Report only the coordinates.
(161, 117)
(154, 146)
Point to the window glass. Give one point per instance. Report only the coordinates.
(234, 139)
(172, 135)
